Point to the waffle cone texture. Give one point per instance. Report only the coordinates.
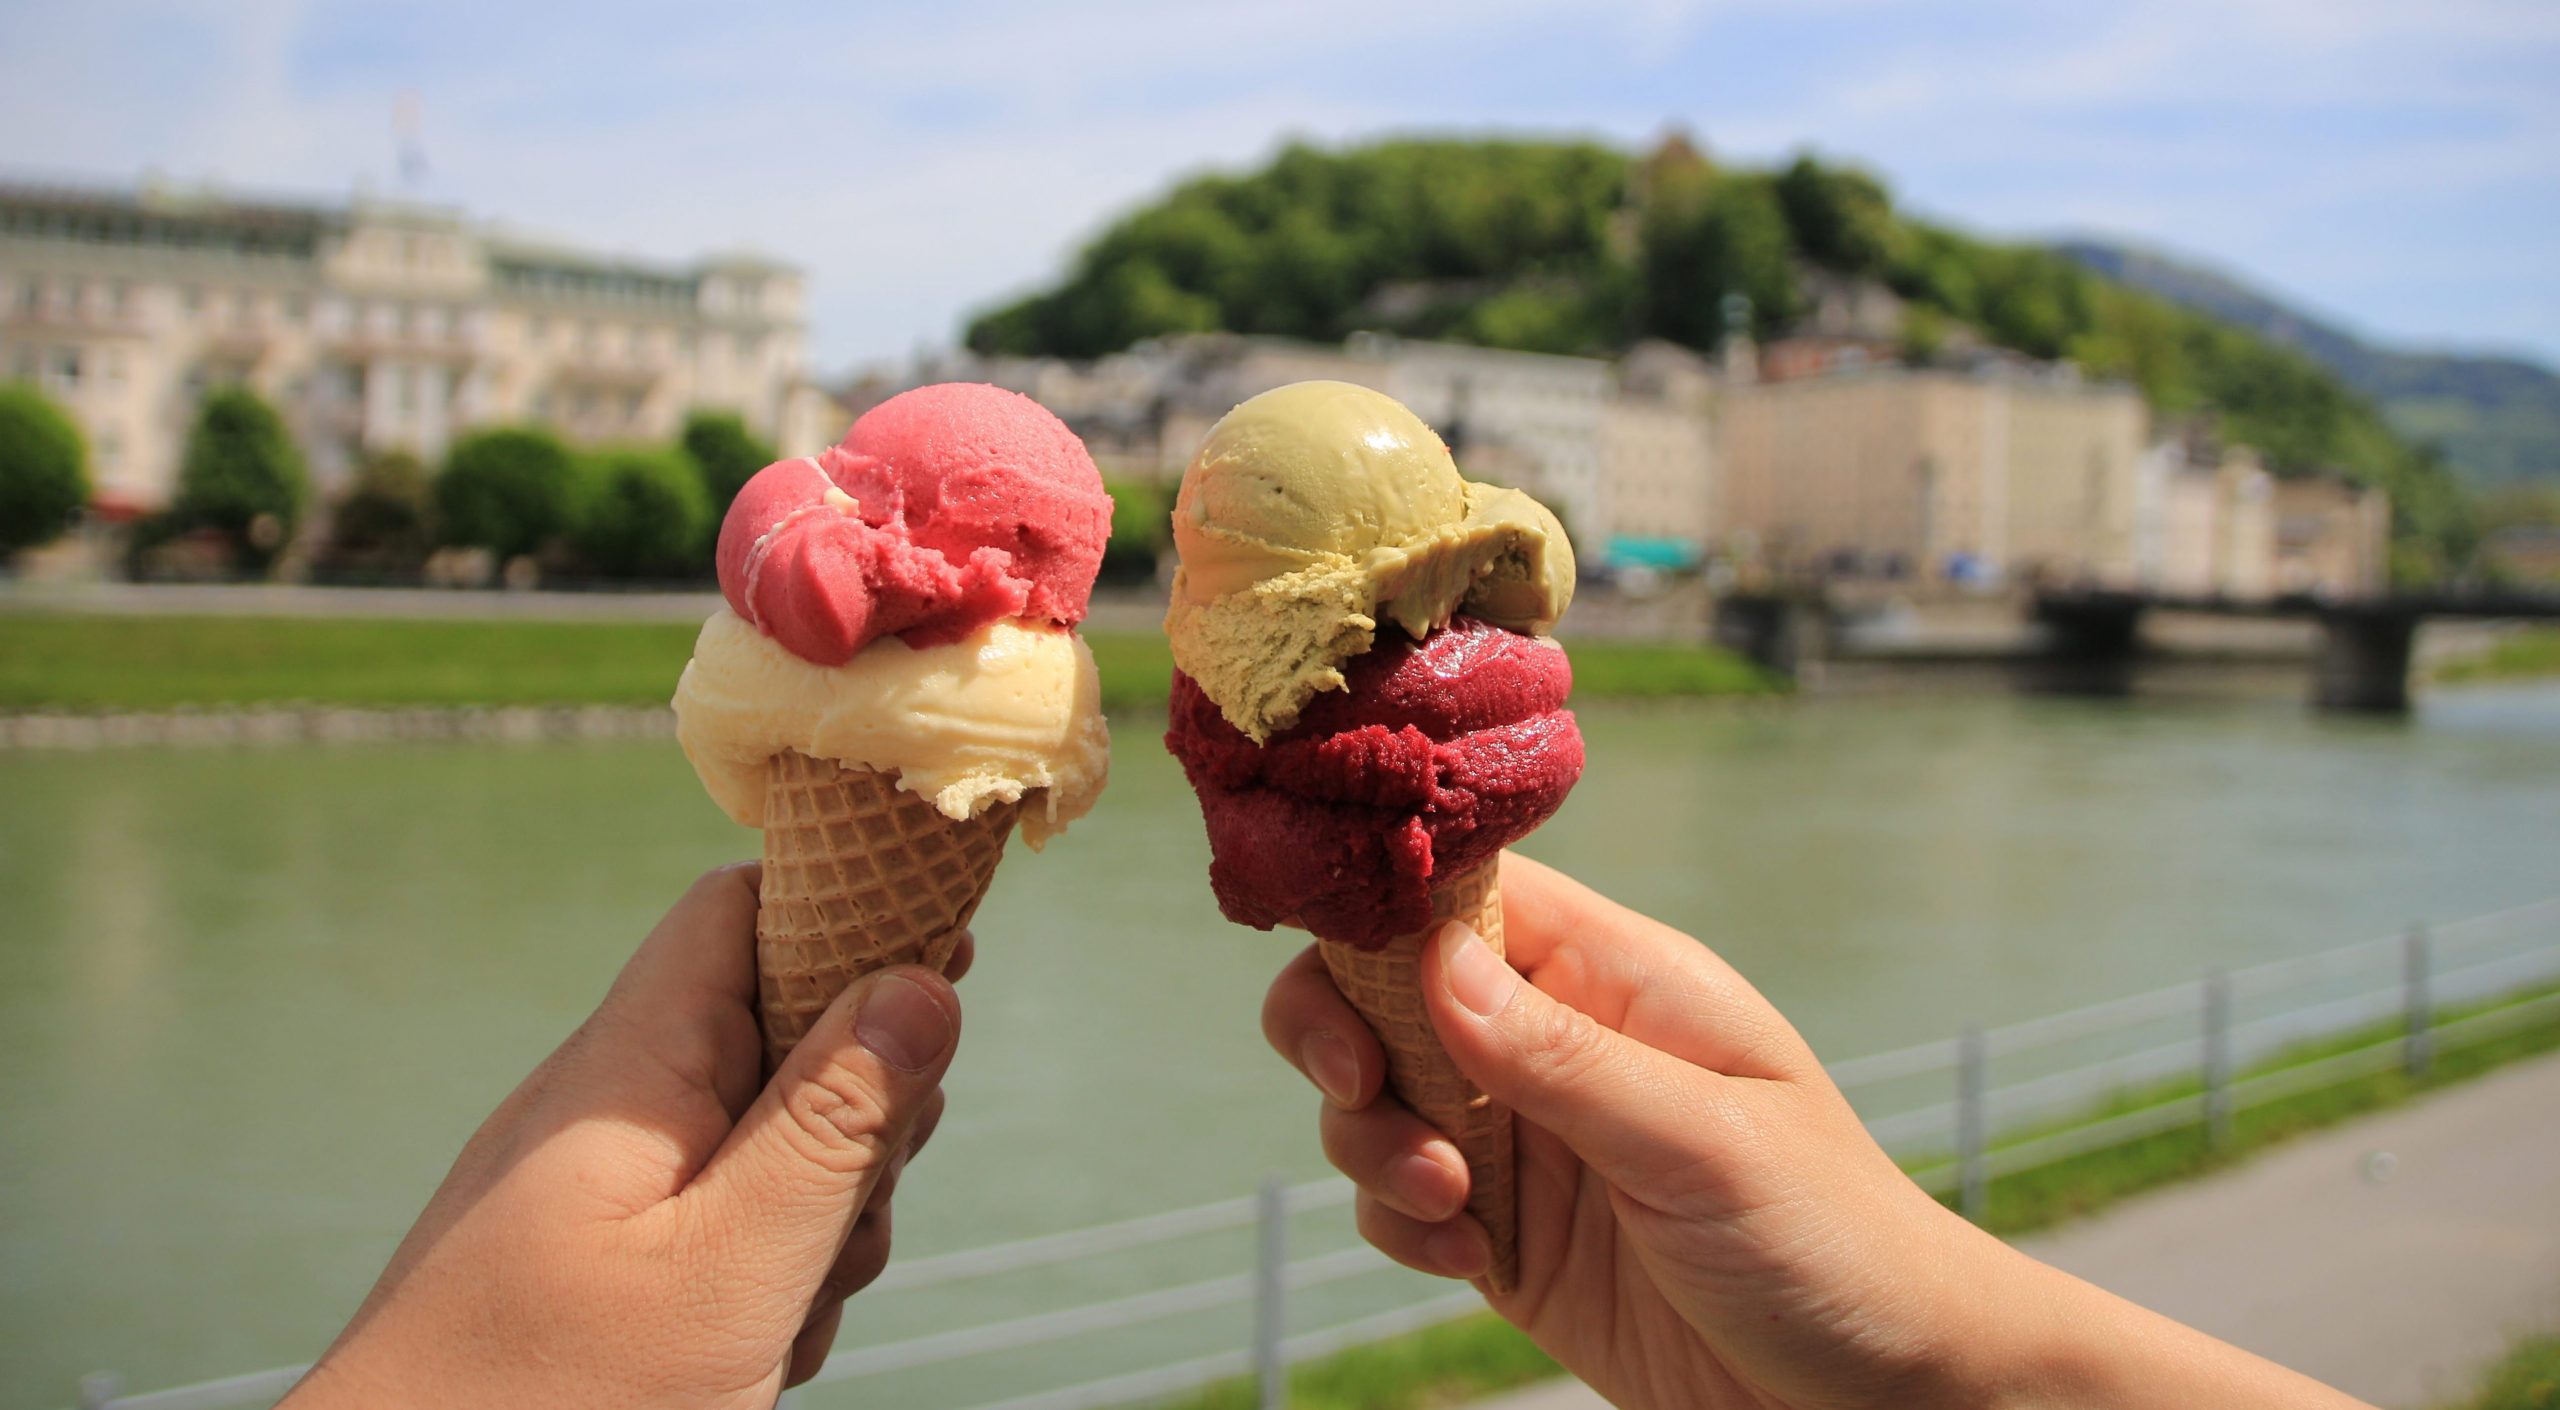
(859, 875)
(1385, 985)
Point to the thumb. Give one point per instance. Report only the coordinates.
(1631, 1112)
(785, 1187)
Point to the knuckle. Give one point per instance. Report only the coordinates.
(1559, 1038)
(841, 1121)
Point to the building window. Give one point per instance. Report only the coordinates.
(191, 299)
(62, 369)
(296, 308)
(110, 450)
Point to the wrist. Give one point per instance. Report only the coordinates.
(2019, 1332)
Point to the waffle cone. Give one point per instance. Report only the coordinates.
(1385, 986)
(858, 875)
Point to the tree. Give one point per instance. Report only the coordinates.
(724, 455)
(44, 474)
(1707, 236)
(382, 520)
(242, 476)
(644, 515)
(1840, 219)
(512, 490)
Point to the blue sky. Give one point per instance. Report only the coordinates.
(2396, 165)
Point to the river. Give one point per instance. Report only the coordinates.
(255, 998)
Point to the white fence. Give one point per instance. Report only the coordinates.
(1983, 1104)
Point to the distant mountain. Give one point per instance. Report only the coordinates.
(2496, 418)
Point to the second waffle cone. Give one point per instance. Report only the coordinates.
(1385, 985)
(859, 875)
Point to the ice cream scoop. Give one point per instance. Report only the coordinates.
(894, 680)
(945, 508)
(1435, 756)
(1316, 512)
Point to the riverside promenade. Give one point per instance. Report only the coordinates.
(2394, 1257)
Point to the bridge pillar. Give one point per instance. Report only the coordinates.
(2364, 658)
(2092, 640)
(1782, 633)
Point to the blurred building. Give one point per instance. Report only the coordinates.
(374, 326)
(2209, 521)
(2215, 523)
(2332, 537)
(1986, 471)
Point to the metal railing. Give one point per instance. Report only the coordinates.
(2189, 1055)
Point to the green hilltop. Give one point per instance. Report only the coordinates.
(1578, 247)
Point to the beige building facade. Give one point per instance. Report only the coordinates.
(2331, 539)
(375, 326)
(1930, 474)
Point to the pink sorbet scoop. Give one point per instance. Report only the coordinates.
(946, 508)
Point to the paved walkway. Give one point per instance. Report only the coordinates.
(2392, 1257)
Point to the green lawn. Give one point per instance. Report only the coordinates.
(2529, 1379)
(158, 663)
(1436, 1367)
(2527, 654)
(2067, 1189)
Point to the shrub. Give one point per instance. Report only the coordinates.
(511, 490)
(645, 515)
(44, 475)
(1141, 529)
(242, 477)
(381, 522)
(724, 454)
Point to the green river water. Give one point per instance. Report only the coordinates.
(255, 998)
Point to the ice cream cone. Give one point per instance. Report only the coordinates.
(859, 874)
(1385, 985)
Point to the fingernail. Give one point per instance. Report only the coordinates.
(1329, 1061)
(902, 1024)
(1477, 976)
(1459, 1252)
(1426, 1186)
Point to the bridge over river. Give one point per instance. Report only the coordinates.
(2092, 640)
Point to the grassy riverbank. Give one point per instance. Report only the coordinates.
(104, 663)
(2527, 655)
(2529, 1379)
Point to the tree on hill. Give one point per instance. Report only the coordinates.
(512, 490)
(1299, 247)
(241, 476)
(44, 470)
